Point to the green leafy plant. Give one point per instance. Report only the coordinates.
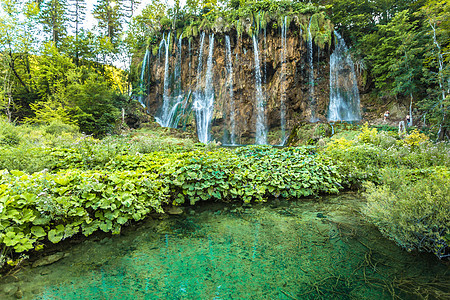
(411, 208)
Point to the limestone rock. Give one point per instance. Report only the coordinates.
(48, 260)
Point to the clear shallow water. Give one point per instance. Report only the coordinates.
(285, 250)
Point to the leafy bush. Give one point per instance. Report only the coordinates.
(39, 207)
(25, 157)
(369, 135)
(9, 134)
(415, 139)
(357, 162)
(252, 173)
(44, 206)
(412, 208)
(57, 127)
(361, 158)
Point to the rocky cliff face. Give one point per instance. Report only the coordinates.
(285, 77)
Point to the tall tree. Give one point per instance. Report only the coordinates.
(17, 46)
(395, 54)
(436, 15)
(77, 14)
(54, 18)
(146, 25)
(109, 16)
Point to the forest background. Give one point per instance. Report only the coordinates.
(53, 69)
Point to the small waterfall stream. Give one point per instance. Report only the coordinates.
(204, 98)
(312, 100)
(200, 61)
(261, 132)
(141, 79)
(162, 119)
(229, 66)
(344, 94)
(179, 61)
(169, 115)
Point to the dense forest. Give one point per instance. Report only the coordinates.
(53, 68)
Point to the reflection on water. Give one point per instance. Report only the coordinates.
(282, 250)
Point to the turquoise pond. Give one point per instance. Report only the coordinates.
(305, 249)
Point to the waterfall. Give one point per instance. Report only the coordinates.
(200, 61)
(344, 95)
(312, 100)
(161, 44)
(204, 99)
(261, 135)
(283, 58)
(177, 77)
(229, 66)
(190, 57)
(163, 120)
(141, 81)
(171, 102)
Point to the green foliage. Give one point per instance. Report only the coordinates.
(9, 134)
(241, 16)
(361, 158)
(253, 173)
(415, 139)
(368, 135)
(395, 55)
(53, 16)
(411, 208)
(45, 206)
(58, 128)
(308, 134)
(26, 148)
(104, 188)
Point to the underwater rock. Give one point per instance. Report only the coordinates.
(48, 260)
(175, 211)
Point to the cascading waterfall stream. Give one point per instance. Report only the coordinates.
(141, 82)
(229, 66)
(312, 100)
(161, 44)
(204, 99)
(171, 103)
(173, 117)
(283, 59)
(344, 94)
(261, 132)
(177, 77)
(200, 61)
(163, 119)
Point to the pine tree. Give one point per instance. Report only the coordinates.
(109, 16)
(77, 14)
(53, 16)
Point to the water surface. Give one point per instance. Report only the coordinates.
(305, 249)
